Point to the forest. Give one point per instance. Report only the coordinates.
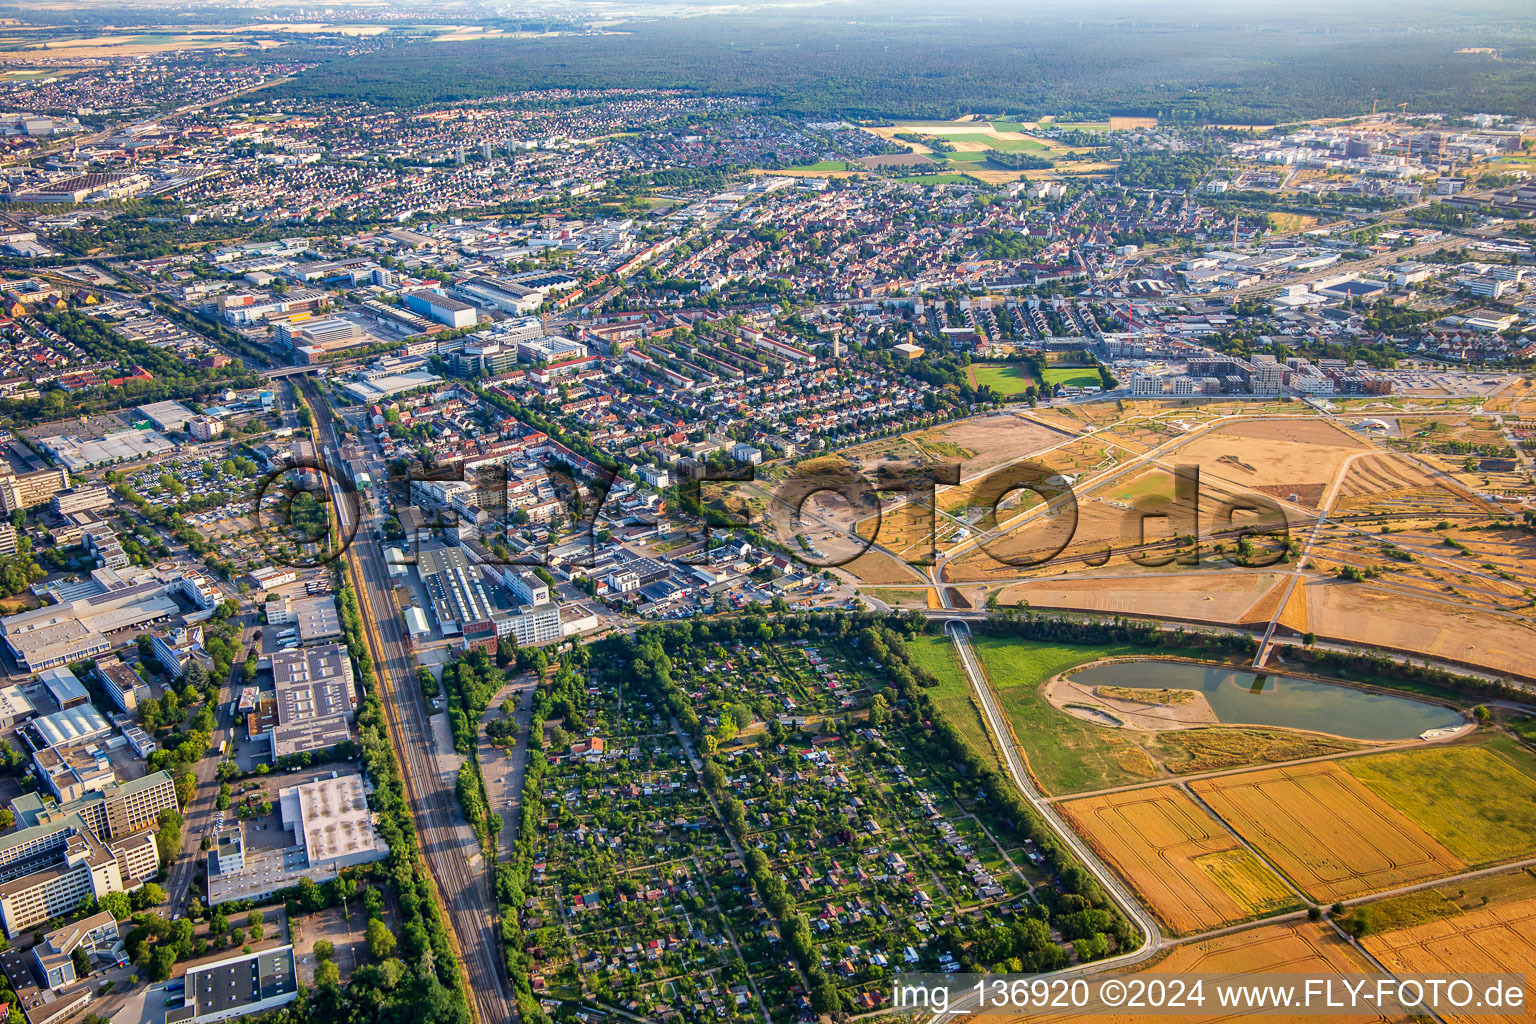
(1191, 64)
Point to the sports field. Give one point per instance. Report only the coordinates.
(1004, 378)
(1331, 835)
(1188, 869)
(1073, 376)
(1478, 800)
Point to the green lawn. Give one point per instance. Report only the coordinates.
(1007, 126)
(1066, 754)
(1477, 799)
(1004, 378)
(1070, 376)
(966, 158)
(826, 165)
(953, 694)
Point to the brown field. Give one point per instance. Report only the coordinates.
(990, 441)
(1442, 628)
(875, 567)
(1325, 830)
(1289, 456)
(897, 160)
(1188, 869)
(1223, 597)
(1494, 939)
(1293, 948)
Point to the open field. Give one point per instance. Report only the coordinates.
(981, 442)
(1064, 754)
(1191, 751)
(1352, 841)
(1302, 947)
(1482, 925)
(1479, 800)
(1188, 869)
(953, 694)
(1280, 457)
(1073, 376)
(1216, 596)
(1438, 628)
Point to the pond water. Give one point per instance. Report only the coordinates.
(1246, 698)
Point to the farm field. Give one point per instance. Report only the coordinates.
(1354, 842)
(1302, 947)
(1188, 869)
(1479, 800)
(1479, 925)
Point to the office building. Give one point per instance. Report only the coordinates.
(29, 490)
(178, 648)
(121, 683)
(53, 964)
(236, 987)
(82, 499)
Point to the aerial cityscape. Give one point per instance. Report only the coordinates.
(767, 513)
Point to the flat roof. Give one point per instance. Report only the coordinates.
(241, 981)
(332, 818)
(312, 682)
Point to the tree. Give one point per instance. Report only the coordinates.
(82, 962)
(327, 975)
(381, 941)
(324, 950)
(1481, 713)
(117, 904)
(147, 895)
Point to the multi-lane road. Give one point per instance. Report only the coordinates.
(450, 847)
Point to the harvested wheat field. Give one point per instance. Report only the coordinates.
(1189, 870)
(1299, 948)
(1330, 835)
(1221, 597)
(1495, 939)
(1439, 628)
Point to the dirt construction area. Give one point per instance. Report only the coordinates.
(1332, 837)
(1185, 865)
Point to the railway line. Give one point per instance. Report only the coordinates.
(449, 846)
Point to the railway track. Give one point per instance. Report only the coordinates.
(450, 848)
